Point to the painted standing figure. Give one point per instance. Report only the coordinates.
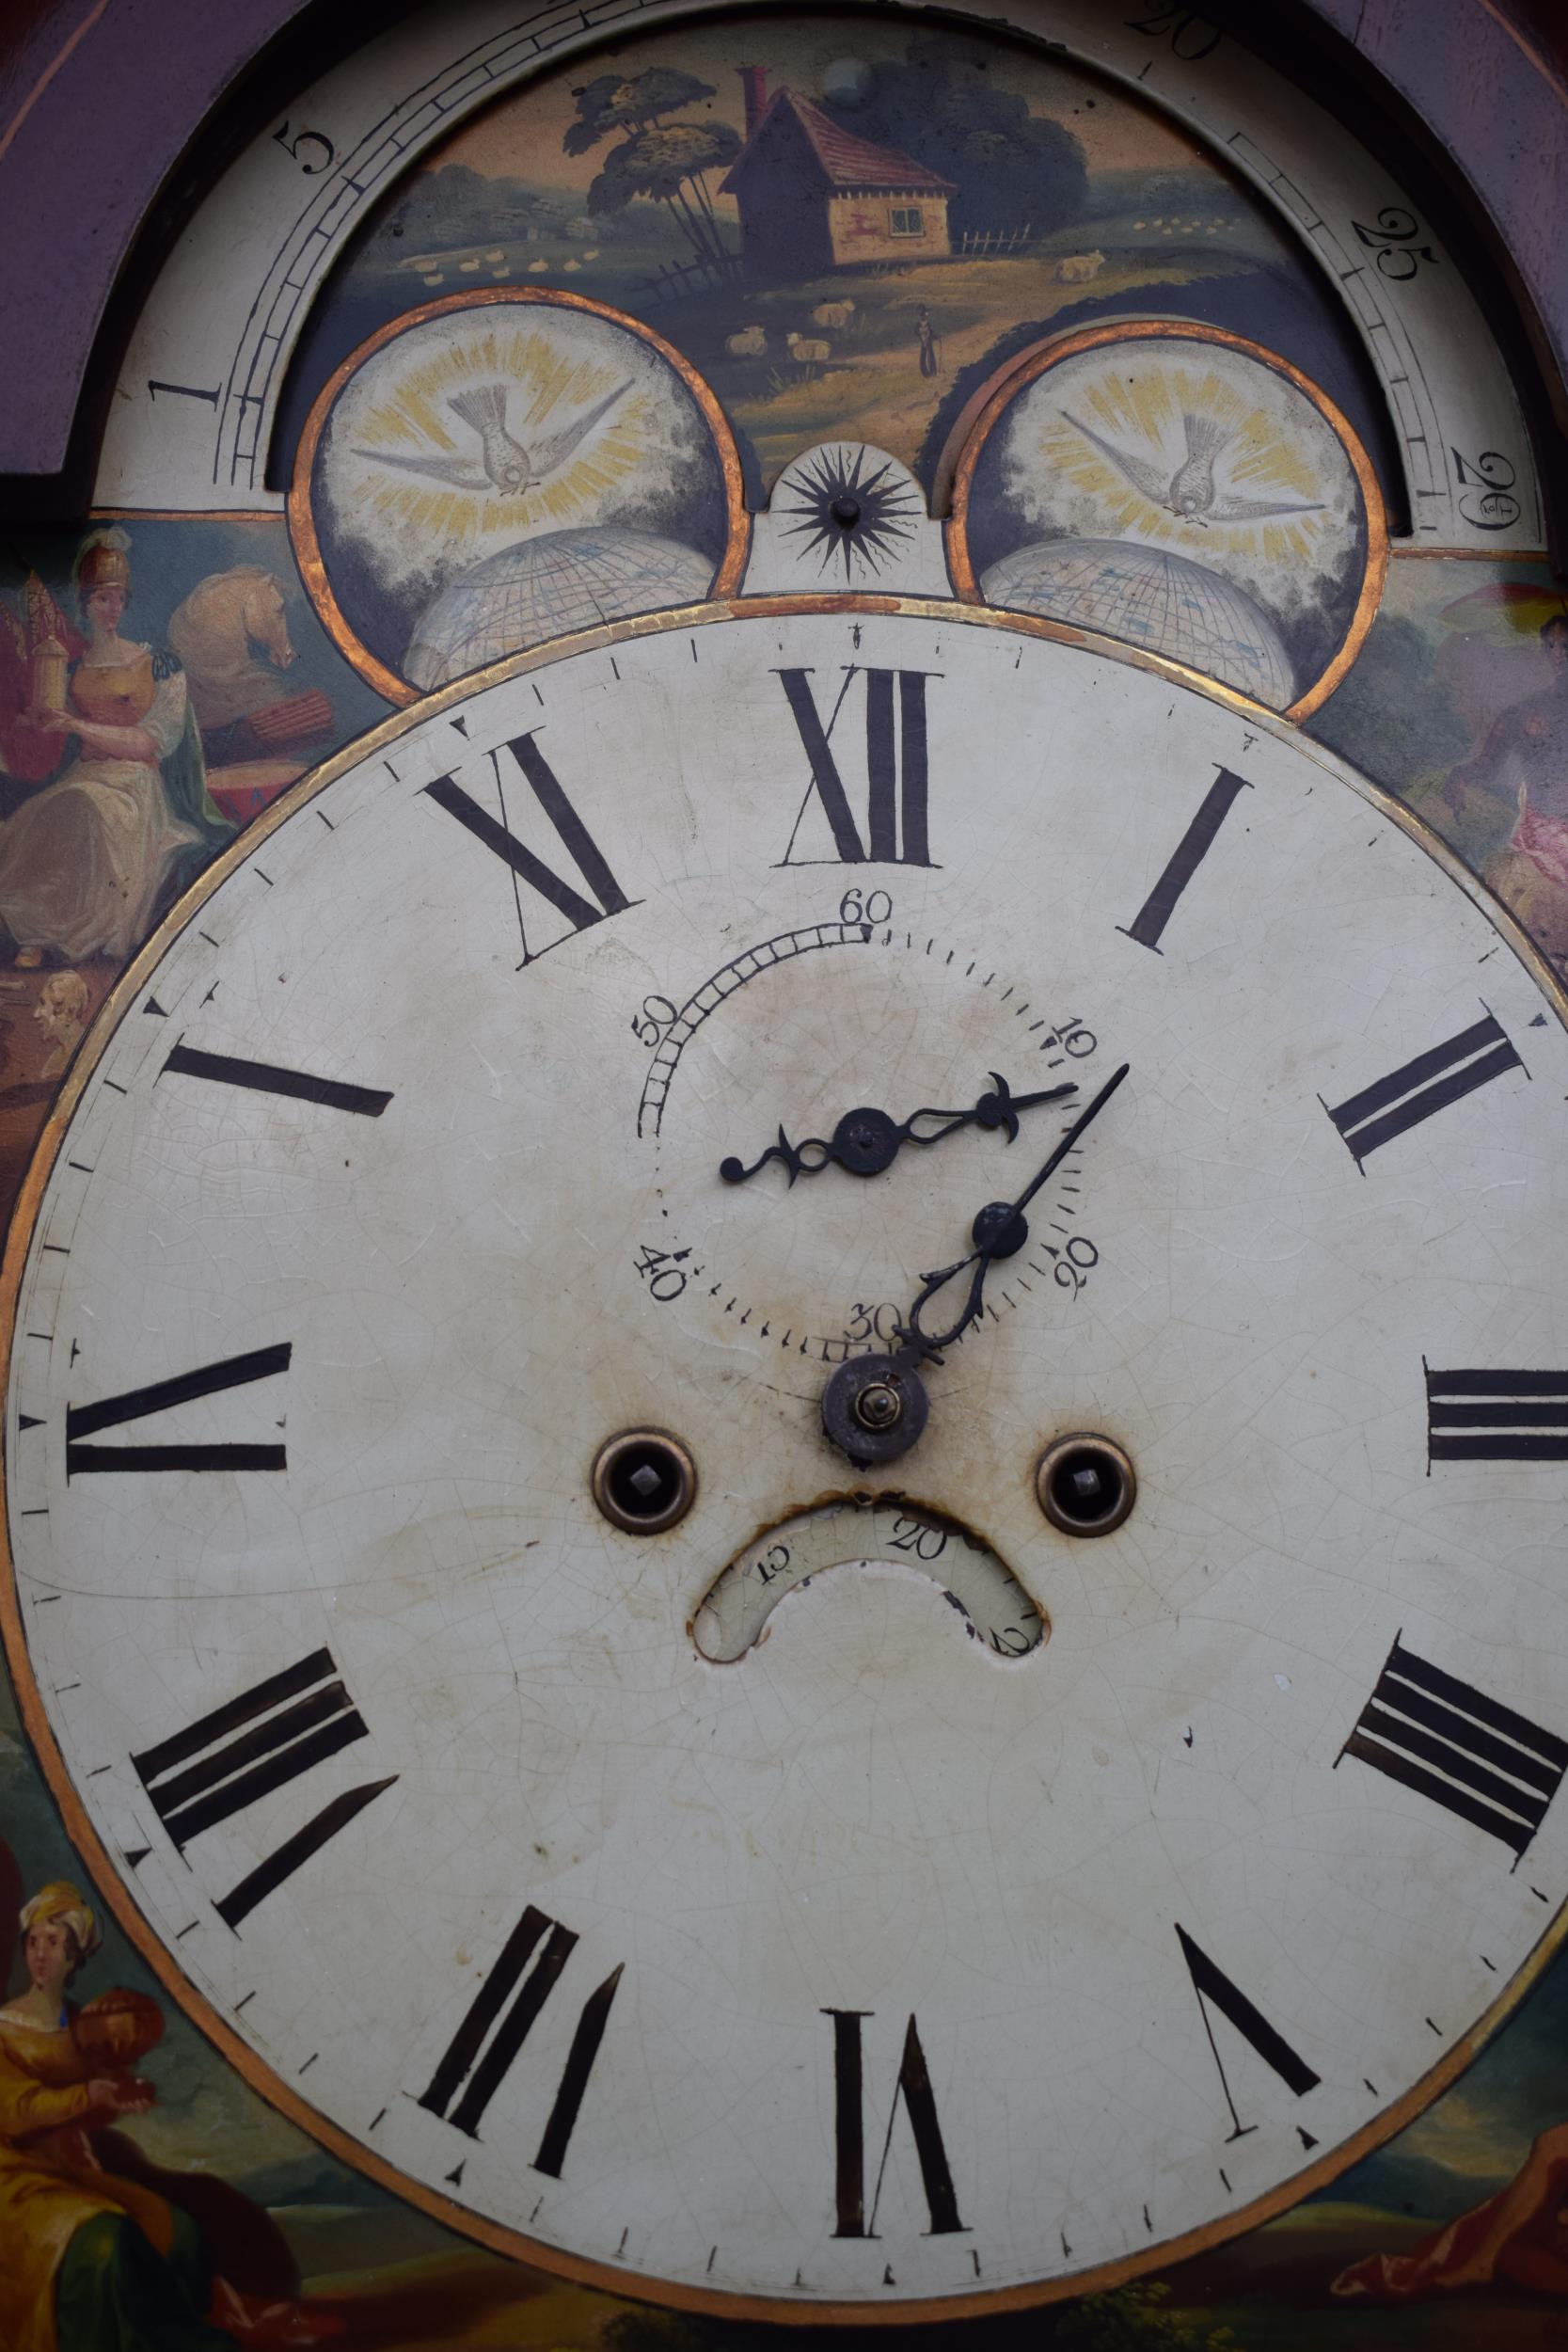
(89, 864)
(925, 338)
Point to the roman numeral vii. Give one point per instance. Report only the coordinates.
(500, 2018)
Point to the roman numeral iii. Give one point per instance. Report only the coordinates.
(1475, 1416)
(488, 2041)
(1417, 1089)
(601, 895)
(913, 2087)
(896, 770)
(1443, 1738)
(273, 1734)
(82, 1422)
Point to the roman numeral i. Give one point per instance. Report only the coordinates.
(273, 1734)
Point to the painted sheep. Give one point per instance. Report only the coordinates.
(806, 347)
(749, 344)
(1076, 269)
(834, 313)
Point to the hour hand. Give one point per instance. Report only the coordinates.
(867, 1140)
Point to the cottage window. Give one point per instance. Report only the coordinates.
(906, 220)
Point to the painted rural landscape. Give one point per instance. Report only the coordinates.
(846, 245)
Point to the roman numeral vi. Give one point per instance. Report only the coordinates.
(913, 2087)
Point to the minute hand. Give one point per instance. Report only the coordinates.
(1000, 1224)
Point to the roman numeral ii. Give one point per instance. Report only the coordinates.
(272, 1734)
(1442, 1076)
(486, 2044)
(1447, 1741)
(896, 770)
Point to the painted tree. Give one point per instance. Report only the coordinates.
(666, 162)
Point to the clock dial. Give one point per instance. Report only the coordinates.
(629, 1043)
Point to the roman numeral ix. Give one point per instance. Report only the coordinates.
(488, 2041)
(1475, 1416)
(1447, 1741)
(601, 894)
(897, 766)
(913, 2087)
(1417, 1089)
(82, 1422)
(271, 1735)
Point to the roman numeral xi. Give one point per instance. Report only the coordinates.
(600, 894)
(273, 1734)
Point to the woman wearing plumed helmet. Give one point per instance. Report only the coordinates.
(89, 864)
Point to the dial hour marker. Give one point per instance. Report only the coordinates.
(1442, 1076)
(242, 1750)
(159, 1397)
(913, 2087)
(485, 2045)
(1188, 853)
(527, 762)
(898, 768)
(1211, 1984)
(267, 1077)
(1477, 1416)
(1449, 1742)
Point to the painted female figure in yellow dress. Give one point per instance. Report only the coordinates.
(89, 2262)
(89, 864)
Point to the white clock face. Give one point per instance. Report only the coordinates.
(775, 1927)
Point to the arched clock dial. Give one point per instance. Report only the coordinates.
(846, 1960)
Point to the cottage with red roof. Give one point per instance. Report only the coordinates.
(812, 196)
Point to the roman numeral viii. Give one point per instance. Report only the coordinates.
(82, 1422)
(896, 770)
(601, 895)
(1475, 1416)
(913, 2087)
(499, 2021)
(271, 1735)
(1447, 1741)
(1417, 1089)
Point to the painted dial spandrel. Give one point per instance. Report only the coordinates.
(396, 1189)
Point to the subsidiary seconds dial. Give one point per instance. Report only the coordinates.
(864, 1893)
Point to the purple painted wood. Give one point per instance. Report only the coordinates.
(114, 118)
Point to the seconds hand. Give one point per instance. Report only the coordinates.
(874, 1407)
